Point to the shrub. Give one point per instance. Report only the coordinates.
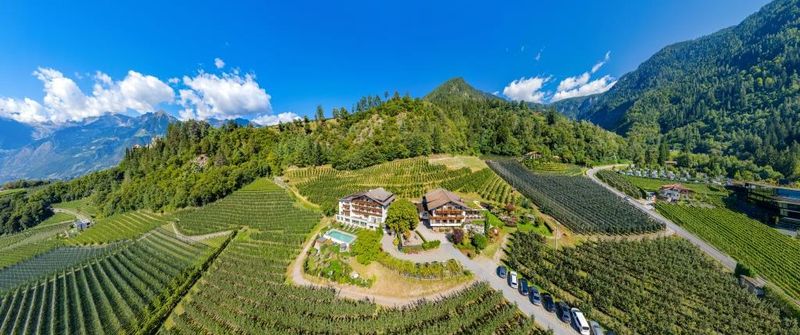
(457, 236)
(431, 244)
(479, 241)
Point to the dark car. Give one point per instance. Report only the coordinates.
(501, 271)
(523, 286)
(535, 297)
(562, 309)
(548, 303)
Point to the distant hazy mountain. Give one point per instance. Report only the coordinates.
(14, 135)
(76, 148)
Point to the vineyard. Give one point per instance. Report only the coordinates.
(408, 178)
(661, 286)
(108, 295)
(31, 242)
(577, 202)
(260, 205)
(237, 295)
(620, 183)
(49, 263)
(119, 227)
(770, 253)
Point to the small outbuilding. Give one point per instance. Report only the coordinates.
(754, 285)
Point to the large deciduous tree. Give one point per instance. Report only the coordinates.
(402, 216)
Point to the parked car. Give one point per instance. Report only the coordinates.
(562, 309)
(596, 329)
(534, 296)
(512, 279)
(579, 321)
(523, 286)
(548, 303)
(501, 271)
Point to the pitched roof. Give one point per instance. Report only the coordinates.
(379, 195)
(440, 197)
(676, 187)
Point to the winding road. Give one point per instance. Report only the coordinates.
(483, 268)
(720, 256)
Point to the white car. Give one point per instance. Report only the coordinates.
(580, 321)
(512, 279)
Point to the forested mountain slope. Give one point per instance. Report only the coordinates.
(734, 92)
(195, 163)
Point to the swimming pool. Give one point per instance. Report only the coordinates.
(339, 236)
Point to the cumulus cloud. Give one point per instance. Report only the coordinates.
(271, 120)
(526, 89)
(64, 101)
(229, 95)
(219, 63)
(582, 85)
(593, 87)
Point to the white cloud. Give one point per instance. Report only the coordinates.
(580, 85)
(227, 96)
(593, 87)
(64, 101)
(600, 64)
(174, 80)
(25, 111)
(219, 63)
(573, 82)
(526, 89)
(271, 120)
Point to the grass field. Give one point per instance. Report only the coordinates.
(118, 227)
(57, 218)
(82, 206)
(556, 168)
(770, 253)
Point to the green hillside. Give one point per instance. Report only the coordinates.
(734, 92)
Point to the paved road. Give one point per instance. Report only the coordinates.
(723, 258)
(484, 269)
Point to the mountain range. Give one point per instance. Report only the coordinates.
(76, 148)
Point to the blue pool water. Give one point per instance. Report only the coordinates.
(340, 236)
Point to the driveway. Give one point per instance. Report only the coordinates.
(723, 258)
(484, 269)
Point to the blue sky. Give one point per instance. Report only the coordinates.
(291, 56)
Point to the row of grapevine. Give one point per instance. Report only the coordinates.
(119, 227)
(262, 205)
(408, 178)
(619, 182)
(48, 263)
(660, 286)
(109, 295)
(245, 289)
(772, 254)
(577, 202)
(18, 247)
